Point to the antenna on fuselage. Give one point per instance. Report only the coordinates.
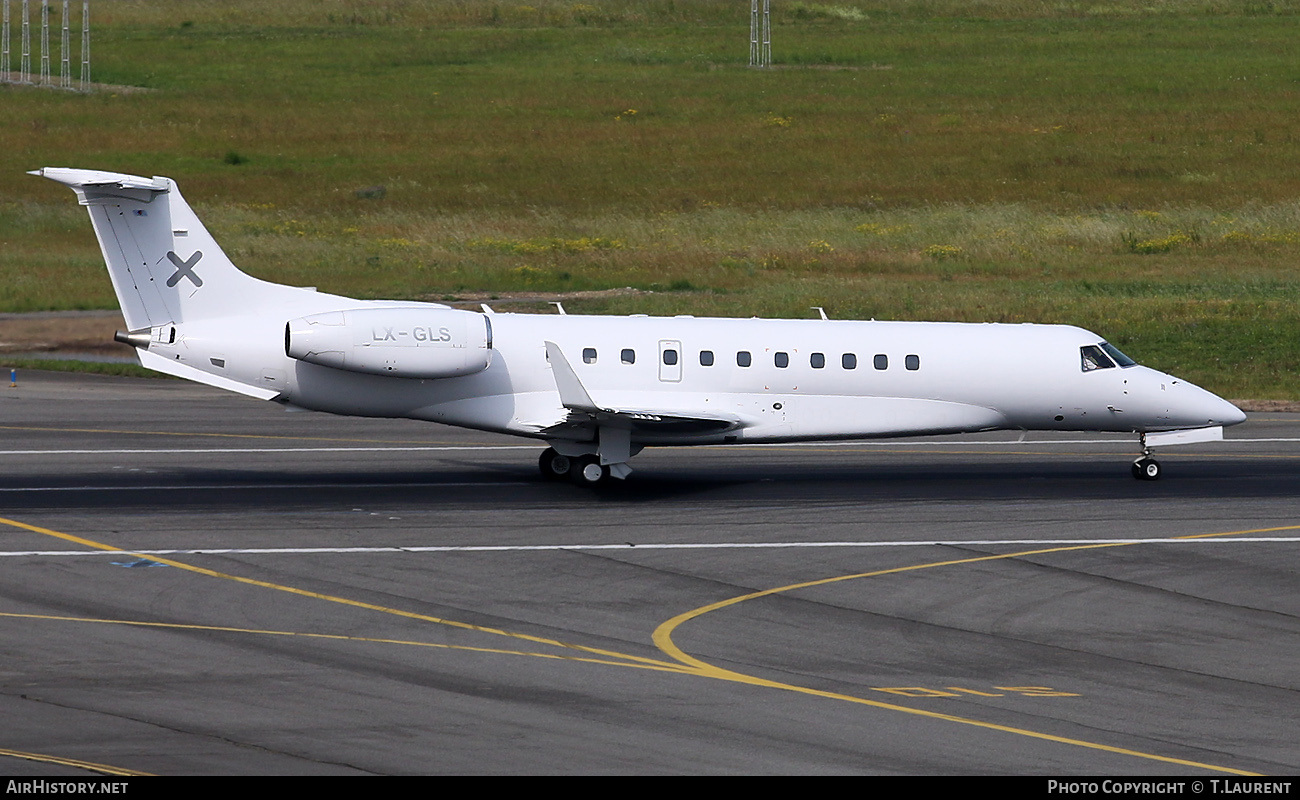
(559, 307)
(820, 310)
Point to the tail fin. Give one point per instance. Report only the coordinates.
(166, 267)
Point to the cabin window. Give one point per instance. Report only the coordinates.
(706, 358)
(881, 361)
(782, 360)
(670, 357)
(912, 362)
(849, 361)
(589, 355)
(817, 360)
(1092, 357)
(743, 359)
(628, 356)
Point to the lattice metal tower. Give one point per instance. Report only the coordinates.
(85, 45)
(25, 67)
(65, 77)
(45, 42)
(760, 33)
(4, 47)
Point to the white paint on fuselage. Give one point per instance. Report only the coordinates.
(971, 376)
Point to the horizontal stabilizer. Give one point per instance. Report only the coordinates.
(99, 181)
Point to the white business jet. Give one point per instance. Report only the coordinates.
(598, 389)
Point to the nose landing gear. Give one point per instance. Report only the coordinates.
(1146, 468)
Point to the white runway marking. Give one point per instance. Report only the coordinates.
(652, 546)
(208, 450)
(452, 448)
(243, 486)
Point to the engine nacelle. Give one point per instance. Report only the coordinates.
(400, 342)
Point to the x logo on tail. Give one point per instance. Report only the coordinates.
(184, 269)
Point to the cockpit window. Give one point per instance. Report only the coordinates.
(1093, 357)
(1120, 358)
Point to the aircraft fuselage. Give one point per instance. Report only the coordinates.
(780, 380)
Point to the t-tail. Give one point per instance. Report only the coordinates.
(171, 277)
(166, 267)
(190, 312)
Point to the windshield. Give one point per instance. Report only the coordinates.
(1091, 357)
(1102, 355)
(1120, 358)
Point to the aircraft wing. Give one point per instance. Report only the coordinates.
(580, 424)
(585, 415)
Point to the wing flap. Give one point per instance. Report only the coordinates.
(641, 422)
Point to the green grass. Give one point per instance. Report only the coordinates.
(73, 365)
(1126, 166)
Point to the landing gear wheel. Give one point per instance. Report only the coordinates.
(588, 471)
(553, 465)
(1146, 469)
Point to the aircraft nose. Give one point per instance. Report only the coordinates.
(1199, 407)
(1179, 404)
(1230, 414)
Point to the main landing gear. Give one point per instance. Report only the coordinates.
(1146, 468)
(554, 466)
(583, 470)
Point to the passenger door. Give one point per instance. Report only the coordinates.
(670, 360)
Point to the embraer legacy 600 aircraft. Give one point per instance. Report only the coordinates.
(598, 389)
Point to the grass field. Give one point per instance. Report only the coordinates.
(1131, 167)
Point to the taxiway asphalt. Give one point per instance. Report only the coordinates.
(195, 582)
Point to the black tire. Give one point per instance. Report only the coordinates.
(554, 466)
(1146, 469)
(588, 471)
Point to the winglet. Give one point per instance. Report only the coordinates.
(572, 393)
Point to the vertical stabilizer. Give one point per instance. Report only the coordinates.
(166, 267)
